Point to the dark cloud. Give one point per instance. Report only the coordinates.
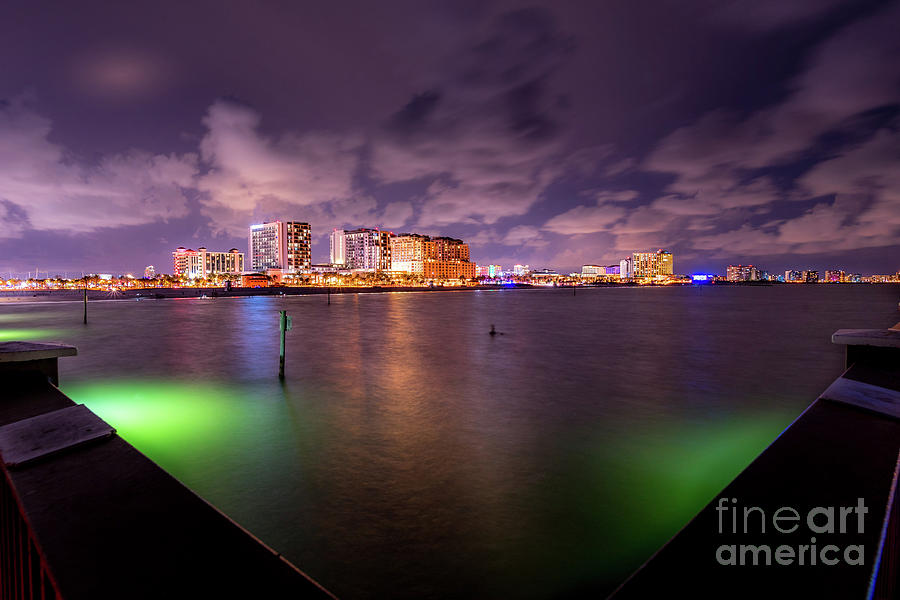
(766, 15)
(850, 86)
(13, 215)
(528, 118)
(412, 116)
(521, 45)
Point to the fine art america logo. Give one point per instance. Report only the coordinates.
(821, 520)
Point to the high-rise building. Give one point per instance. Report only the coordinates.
(368, 249)
(281, 245)
(653, 265)
(338, 248)
(666, 262)
(447, 258)
(834, 276)
(791, 275)
(520, 270)
(811, 276)
(742, 273)
(149, 272)
(433, 258)
(408, 253)
(203, 263)
(626, 268)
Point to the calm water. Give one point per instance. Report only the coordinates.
(410, 454)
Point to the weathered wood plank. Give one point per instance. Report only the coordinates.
(885, 338)
(865, 395)
(27, 351)
(50, 433)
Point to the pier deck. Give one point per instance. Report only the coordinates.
(100, 520)
(841, 451)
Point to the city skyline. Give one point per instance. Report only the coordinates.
(733, 133)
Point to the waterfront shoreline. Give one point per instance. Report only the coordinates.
(69, 295)
(17, 296)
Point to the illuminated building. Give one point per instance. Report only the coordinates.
(149, 272)
(491, 271)
(613, 269)
(593, 270)
(810, 276)
(433, 258)
(254, 280)
(328, 268)
(447, 258)
(666, 262)
(203, 263)
(520, 270)
(626, 268)
(653, 265)
(280, 245)
(792, 276)
(741, 273)
(544, 275)
(338, 248)
(834, 276)
(368, 249)
(408, 253)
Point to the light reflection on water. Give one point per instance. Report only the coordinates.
(409, 453)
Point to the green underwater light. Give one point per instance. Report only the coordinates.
(10, 335)
(163, 419)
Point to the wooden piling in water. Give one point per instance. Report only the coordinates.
(284, 325)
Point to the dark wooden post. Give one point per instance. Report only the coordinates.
(284, 325)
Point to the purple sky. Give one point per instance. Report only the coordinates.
(554, 134)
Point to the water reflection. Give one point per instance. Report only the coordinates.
(408, 453)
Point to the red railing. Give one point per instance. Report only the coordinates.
(24, 574)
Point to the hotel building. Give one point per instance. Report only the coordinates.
(626, 268)
(408, 253)
(338, 248)
(432, 258)
(653, 265)
(281, 245)
(742, 273)
(203, 263)
(367, 249)
(447, 258)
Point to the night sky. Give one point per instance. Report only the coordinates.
(554, 134)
